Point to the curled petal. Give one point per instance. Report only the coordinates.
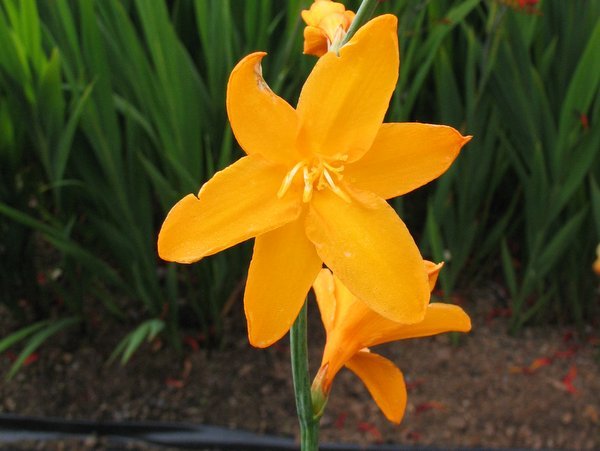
(238, 203)
(384, 381)
(324, 287)
(340, 115)
(439, 318)
(433, 271)
(315, 41)
(405, 156)
(371, 251)
(262, 122)
(283, 267)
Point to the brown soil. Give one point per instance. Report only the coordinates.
(484, 391)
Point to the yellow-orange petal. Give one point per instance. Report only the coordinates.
(433, 271)
(353, 325)
(262, 122)
(384, 381)
(356, 326)
(315, 41)
(371, 251)
(345, 98)
(319, 10)
(365, 328)
(238, 203)
(405, 156)
(337, 303)
(349, 16)
(326, 297)
(283, 267)
(345, 318)
(439, 318)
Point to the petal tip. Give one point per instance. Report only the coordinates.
(468, 325)
(259, 55)
(257, 339)
(412, 315)
(385, 20)
(388, 19)
(249, 61)
(261, 344)
(170, 245)
(396, 418)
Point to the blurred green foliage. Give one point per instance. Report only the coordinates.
(111, 110)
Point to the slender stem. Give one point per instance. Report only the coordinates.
(364, 13)
(309, 422)
(309, 426)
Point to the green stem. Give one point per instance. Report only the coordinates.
(364, 13)
(309, 426)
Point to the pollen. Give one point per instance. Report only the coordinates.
(316, 175)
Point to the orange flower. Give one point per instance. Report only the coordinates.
(313, 185)
(596, 265)
(326, 24)
(352, 327)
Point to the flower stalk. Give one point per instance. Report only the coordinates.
(364, 13)
(309, 424)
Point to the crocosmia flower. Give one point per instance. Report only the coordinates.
(352, 327)
(596, 265)
(313, 184)
(326, 24)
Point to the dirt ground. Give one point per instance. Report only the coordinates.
(537, 390)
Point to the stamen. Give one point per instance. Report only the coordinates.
(308, 185)
(319, 175)
(289, 178)
(337, 171)
(336, 189)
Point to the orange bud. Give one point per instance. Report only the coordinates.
(326, 23)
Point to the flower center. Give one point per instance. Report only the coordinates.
(317, 175)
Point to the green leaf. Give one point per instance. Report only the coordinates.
(50, 100)
(148, 330)
(595, 195)
(583, 87)
(557, 246)
(430, 48)
(21, 334)
(509, 270)
(64, 145)
(38, 338)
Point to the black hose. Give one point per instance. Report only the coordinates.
(17, 428)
